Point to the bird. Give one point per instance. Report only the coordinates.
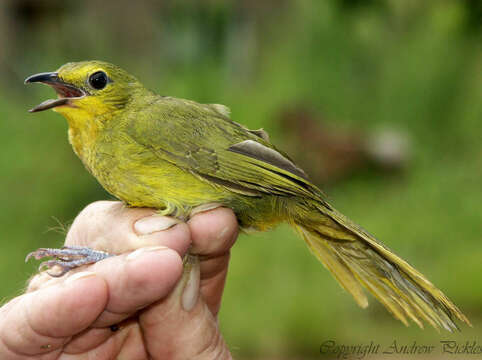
(178, 155)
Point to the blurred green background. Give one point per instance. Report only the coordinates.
(391, 92)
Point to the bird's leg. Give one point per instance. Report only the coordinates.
(67, 258)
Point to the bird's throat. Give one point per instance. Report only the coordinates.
(83, 133)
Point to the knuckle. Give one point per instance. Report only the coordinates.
(99, 206)
(214, 347)
(90, 221)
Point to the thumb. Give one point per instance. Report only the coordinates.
(178, 328)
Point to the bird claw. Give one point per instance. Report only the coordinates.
(66, 258)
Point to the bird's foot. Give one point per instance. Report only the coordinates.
(66, 258)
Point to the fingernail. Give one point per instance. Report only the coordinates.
(190, 293)
(79, 275)
(154, 223)
(139, 252)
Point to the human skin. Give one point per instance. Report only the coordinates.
(127, 306)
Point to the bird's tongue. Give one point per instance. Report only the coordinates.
(49, 104)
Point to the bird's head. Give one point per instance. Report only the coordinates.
(87, 88)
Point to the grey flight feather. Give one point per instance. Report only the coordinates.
(260, 152)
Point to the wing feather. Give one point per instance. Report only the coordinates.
(207, 143)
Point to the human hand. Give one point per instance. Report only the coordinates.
(130, 306)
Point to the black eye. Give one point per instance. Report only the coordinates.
(98, 80)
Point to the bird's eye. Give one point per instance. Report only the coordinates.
(98, 80)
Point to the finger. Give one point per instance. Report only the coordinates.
(136, 280)
(167, 327)
(178, 237)
(101, 343)
(212, 288)
(213, 234)
(169, 323)
(112, 227)
(35, 323)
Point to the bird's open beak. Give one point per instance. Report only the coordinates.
(65, 91)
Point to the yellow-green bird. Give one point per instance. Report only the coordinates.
(176, 155)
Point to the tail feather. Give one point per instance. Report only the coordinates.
(338, 268)
(356, 258)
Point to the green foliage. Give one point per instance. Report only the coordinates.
(416, 67)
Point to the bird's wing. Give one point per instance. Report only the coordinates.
(204, 141)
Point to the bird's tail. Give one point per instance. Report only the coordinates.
(356, 258)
